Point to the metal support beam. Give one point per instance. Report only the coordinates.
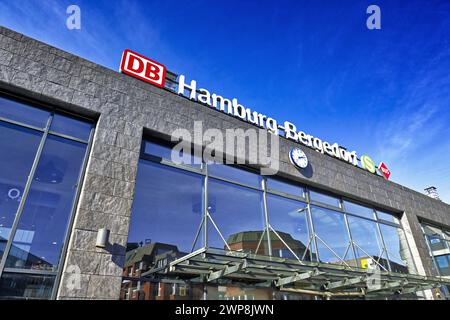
(388, 286)
(419, 288)
(226, 271)
(297, 277)
(345, 283)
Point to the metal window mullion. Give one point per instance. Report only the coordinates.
(384, 246)
(313, 232)
(171, 164)
(21, 124)
(324, 205)
(25, 195)
(205, 207)
(266, 215)
(64, 250)
(30, 272)
(349, 233)
(360, 217)
(65, 136)
(433, 257)
(286, 195)
(310, 237)
(235, 183)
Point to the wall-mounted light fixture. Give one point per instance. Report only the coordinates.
(102, 238)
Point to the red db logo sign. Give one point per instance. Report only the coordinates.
(384, 170)
(143, 68)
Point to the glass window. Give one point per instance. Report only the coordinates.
(324, 198)
(18, 147)
(23, 286)
(71, 127)
(166, 215)
(443, 263)
(41, 231)
(436, 243)
(164, 151)
(358, 209)
(285, 187)
(157, 149)
(19, 112)
(432, 231)
(387, 217)
(332, 236)
(397, 248)
(235, 174)
(447, 234)
(290, 220)
(435, 237)
(368, 244)
(238, 214)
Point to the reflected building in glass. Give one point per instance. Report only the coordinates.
(86, 149)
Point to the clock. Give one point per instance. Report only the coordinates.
(298, 158)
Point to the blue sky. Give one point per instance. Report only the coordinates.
(385, 93)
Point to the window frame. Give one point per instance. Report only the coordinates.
(265, 188)
(57, 274)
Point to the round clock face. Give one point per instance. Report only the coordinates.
(298, 158)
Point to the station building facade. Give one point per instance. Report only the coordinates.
(86, 150)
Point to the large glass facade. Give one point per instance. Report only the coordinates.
(438, 241)
(179, 209)
(41, 160)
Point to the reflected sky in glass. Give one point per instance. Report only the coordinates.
(70, 126)
(292, 225)
(324, 198)
(19, 112)
(235, 209)
(18, 147)
(359, 210)
(397, 247)
(235, 174)
(164, 151)
(285, 186)
(43, 224)
(330, 226)
(167, 206)
(367, 240)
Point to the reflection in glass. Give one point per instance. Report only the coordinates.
(436, 243)
(12, 110)
(443, 264)
(437, 238)
(368, 244)
(71, 127)
(166, 214)
(18, 149)
(285, 187)
(238, 214)
(40, 234)
(324, 198)
(24, 286)
(332, 236)
(397, 248)
(235, 174)
(387, 217)
(359, 210)
(164, 151)
(290, 219)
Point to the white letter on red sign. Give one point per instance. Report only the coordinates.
(143, 68)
